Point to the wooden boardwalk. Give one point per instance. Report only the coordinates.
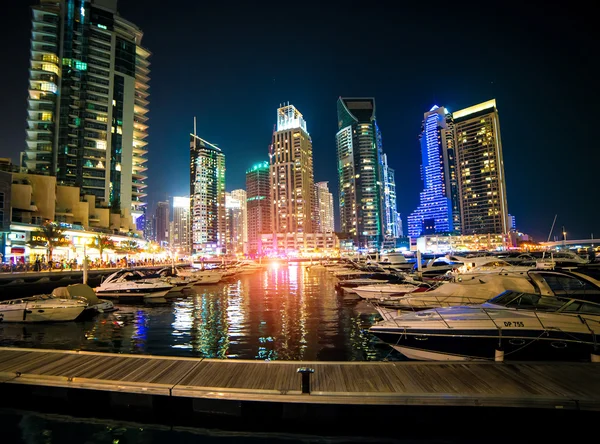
(529, 385)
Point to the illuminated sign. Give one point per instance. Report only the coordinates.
(17, 236)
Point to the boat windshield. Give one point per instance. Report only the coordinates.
(530, 301)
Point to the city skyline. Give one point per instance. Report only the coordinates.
(401, 99)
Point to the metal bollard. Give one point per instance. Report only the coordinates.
(306, 372)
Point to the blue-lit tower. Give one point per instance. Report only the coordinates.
(438, 211)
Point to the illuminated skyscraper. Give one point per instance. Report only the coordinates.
(438, 210)
(207, 191)
(182, 231)
(291, 170)
(393, 229)
(88, 100)
(482, 185)
(359, 157)
(325, 208)
(162, 217)
(235, 205)
(258, 205)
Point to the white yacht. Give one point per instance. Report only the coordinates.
(383, 290)
(126, 284)
(196, 276)
(478, 290)
(42, 308)
(524, 326)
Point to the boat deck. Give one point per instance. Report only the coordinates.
(573, 386)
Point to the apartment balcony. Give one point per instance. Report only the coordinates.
(141, 86)
(64, 212)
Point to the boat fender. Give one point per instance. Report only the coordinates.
(499, 355)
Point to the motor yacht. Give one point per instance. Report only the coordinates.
(126, 284)
(41, 308)
(384, 290)
(87, 293)
(524, 326)
(201, 276)
(480, 289)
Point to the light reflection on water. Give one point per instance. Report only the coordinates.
(287, 312)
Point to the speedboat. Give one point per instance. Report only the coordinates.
(201, 276)
(85, 292)
(126, 284)
(41, 308)
(480, 289)
(524, 326)
(383, 290)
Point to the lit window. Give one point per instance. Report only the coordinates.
(46, 117)
(48, 86)
(49, 67)
(101, 145)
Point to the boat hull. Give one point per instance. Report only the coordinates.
(467, 344)
(41, 314)
(124, 295)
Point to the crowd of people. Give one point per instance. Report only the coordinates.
(40, 263)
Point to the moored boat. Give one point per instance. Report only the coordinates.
(520, 326)
(41, 308)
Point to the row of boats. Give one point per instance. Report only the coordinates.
(484, 308)
(80, 301)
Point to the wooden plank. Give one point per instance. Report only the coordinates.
(540, 385)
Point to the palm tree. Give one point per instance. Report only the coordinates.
(103, 242)
(50, 235)
(130, 246)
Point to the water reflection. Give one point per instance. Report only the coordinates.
(285, 312)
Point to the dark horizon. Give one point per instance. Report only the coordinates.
(232, 64)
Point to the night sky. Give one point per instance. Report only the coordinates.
(232, 63)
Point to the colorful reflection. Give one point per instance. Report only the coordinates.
(284, 312)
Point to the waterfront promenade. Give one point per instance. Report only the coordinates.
(231, 387)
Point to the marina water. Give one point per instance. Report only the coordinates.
(288, 312)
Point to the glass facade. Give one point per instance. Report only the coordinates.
(258, 205)
(207, 201)
(438, 171)
(87, 102)
(359, 154)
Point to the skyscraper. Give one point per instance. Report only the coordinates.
(438, 210)
(88, 99)
(292, 180)
(207, 191)
(482, 185)
(392, 229)
(325, 208)
(235, 205)
(359, 156)
(182, 229)
(162, 217)
(258, 204)
(242, 197)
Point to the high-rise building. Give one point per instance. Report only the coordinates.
(241, 196)
(359, 156)
(325, 208)
(150, 228)
(235, 205)
(258, 205)
(482, 185)
(292, 180)
(207, 201)
(182, 229)
(162, 217)
(392, 228)
(88, 100)
(438, 210)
